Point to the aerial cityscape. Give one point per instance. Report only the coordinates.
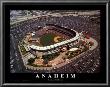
(55, 41)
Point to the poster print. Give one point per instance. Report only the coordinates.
(48, 44)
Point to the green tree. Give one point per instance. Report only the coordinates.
(30, 61)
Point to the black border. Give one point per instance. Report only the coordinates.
(82, 78)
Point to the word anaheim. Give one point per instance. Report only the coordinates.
(55, 75)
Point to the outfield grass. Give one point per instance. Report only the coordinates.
(48, 39)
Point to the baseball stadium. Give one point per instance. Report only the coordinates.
(42, 44)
